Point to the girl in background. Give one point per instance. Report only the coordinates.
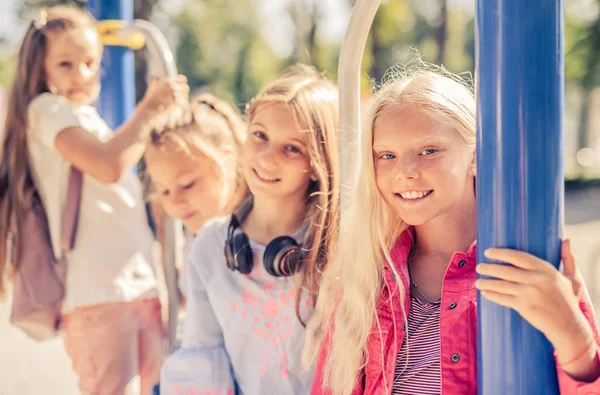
(193, 164)
(111, 314)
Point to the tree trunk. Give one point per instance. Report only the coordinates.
(377, 51)
(442, 32)
(142, 10)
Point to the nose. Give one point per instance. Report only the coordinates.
(407, 169)
(84, 72)
(267, 159)
(177, 198)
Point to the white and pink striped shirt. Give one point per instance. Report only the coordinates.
(418, 369)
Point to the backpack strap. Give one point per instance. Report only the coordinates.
(70, 216)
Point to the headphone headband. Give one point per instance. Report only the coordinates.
(282, 256)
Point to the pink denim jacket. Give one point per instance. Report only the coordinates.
(458, 331)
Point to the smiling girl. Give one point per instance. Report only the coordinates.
(252, 273)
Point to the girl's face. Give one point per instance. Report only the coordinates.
(72, 65)
(276, 161)
(189, 187)
(423, 170)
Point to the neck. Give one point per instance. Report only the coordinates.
(454, 231)
(236, 199)
(271, 218)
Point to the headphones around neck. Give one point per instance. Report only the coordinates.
(282, 257)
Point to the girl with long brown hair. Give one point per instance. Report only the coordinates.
(111, 318)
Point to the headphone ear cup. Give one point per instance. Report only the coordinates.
(229, 254)
(281, 257)
(242, 253)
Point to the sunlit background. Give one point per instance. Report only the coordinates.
(233, 47)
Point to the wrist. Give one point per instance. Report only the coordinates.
(573, 341)
(142, 117)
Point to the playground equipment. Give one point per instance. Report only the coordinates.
(519, 82)
(121, 36)
(520, 181)
(519, 47)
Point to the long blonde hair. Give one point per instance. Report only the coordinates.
(313, 100)
(16, 181)
(213, 127)
(346, 310)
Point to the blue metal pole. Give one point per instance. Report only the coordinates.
(520, 184)
(117, 97)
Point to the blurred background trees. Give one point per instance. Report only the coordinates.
(233, 47)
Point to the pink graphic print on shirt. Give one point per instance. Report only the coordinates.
(187, 390)
(271, 314)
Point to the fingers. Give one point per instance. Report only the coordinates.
(499, 286)
(569, 267)
(164, 92)
(503, 272)
(499, 298)
(519, 259)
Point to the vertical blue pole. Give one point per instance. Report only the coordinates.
(520, 185)
(117, 97)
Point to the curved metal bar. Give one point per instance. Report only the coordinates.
(162, 58)
(349, 68)
(157, 45)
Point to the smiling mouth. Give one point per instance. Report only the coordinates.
(187, 216)
(413, 195)
(264, 179)
(76, 91)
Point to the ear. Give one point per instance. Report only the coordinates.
(473, 164)
(313, 176)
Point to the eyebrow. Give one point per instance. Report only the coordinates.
(61, 55)
(299, 141)
(258, 124)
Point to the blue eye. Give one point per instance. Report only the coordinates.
(429, 151)
(292, 149)
(387, 156)
(260, 135)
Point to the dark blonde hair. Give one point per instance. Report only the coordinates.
(16, 181)
(211, 126)
(313, 101)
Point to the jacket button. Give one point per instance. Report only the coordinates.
(404, 326)
(393, 276)
(452, 306)
(455, 357)
(462, 263)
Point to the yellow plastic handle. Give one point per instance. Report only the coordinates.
(109, 34)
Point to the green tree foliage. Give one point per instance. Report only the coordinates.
(220, 49)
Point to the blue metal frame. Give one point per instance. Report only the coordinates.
(520, 187)
(117, 98)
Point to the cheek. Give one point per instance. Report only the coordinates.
(206, 197)
(383, 172)
(167, 205)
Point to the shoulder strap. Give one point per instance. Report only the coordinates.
(70, 216)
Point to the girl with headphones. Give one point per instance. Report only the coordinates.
(253, 276)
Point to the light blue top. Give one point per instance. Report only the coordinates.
(240, 333)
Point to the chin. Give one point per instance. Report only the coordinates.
(193, 227)
(414, 220)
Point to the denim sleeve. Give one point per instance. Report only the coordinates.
(202, 364)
